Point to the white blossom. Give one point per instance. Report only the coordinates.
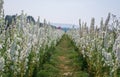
(2, 61)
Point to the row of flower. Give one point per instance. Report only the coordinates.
(24, 47)
(99, 46)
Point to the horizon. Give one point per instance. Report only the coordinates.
(64, 11)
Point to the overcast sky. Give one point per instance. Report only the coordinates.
(64, 11)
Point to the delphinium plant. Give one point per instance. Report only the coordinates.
(24, 47)
(99, 46)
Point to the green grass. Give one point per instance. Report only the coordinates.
(64, 61)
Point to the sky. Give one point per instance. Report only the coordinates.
(64, 11)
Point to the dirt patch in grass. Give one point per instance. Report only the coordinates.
(66, 60)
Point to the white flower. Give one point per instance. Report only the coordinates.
(8, 50)
(2, 61)
(18, 46)
(116, 48)
(19, 39)
(0, 46)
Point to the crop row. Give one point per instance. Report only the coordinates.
(99, 46)
(24, 47)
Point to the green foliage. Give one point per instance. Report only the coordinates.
(65, 48)
(42, 73)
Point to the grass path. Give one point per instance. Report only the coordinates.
(64, 62)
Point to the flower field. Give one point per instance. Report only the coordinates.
(24, 47)
(39, 49)
(100, 46)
